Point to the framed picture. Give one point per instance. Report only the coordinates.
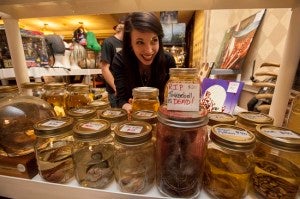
(168, 17)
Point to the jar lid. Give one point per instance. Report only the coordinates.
(251, 118)
(114, 114)
(278, 137)
(54, 85)
(8, 89)
(99, 104)
(133, 132)
(145, 91)
(182, 119)
(32, 84)
(87, 130)
(78, 87)
(145, 115)
(82, 112)
(220, 118)
(184, 71)
(232, 137)
(53, 126)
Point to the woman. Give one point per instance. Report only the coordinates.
(142, 61)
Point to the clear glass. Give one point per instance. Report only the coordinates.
(7, 91)
(33, 88)
(145, 98)
(294, 117)
(79, 96)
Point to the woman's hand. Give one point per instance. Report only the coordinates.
(127, 107)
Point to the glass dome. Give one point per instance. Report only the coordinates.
(18, 114)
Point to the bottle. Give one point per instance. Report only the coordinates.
(56, 95)
(145, 98)
(229, 161)
(93, 153)
(53, 149)
(134, 162)
(277, 160)
(294, 117)
(180, 152)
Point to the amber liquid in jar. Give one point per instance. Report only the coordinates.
(79, 96)
(294, 117)
(145, 98)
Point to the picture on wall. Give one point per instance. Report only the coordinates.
(237, 41)
(174, 34)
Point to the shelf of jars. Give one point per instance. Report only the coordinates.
(36, 187)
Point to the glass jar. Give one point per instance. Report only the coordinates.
(7, 91)
(134, 161)
(56, 94)
(294, 116)
(79, 96)
(146, 116)
(277, 162)
(229, 161)
(249, 120)
(99, 106)
(83, 113)
(180, 151)
(114, 116)
(18, 114)
(33, 88)
(145, 98)
(53, 149)
(93, 153)
(182, 91)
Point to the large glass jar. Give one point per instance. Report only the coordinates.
(114, 116)
(229, 162)
(56, 94)
(79, 96)
(180, 152)
(33, 88)
(134, 157)
(18, 114)
(145, 98)
(93, 153)
(53, 149)
(277, 162)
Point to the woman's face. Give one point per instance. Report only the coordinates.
(145, 46)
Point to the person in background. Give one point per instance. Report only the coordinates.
(110, 47)
(142, 61)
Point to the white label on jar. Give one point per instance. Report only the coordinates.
(21, 168)
(93, 125)
(82, 111)
(54, 123)
(112, 113)
(98, 103)
(131, 129)
(233, 132)
(183, 97)
(282, 134)
(233, 87)
(144, 114)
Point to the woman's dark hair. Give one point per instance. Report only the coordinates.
(143, 22)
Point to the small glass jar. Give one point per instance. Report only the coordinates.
(56, 94)
(180, 152)
(33, 88)
(79, 96)
(249, 120)
(8, 91)
(146, 116)
(134, 161)
(294, 115)
(145, 98)
(82, 113)
(99, 106)
(93, 153)
(114, 116)
(182, 91)
(229, 161)
(277, 160)
(53, 149)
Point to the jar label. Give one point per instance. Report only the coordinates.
(54, 123)
(112, 113)
(144, 114)
(131, 129)
(233, 132)
(183, 97)
(93, 125)
(82, 111)
(282, 134)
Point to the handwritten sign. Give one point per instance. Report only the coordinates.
(183, 96)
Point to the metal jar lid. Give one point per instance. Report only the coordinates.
(133, 132)
(87, 130)
(278, 137)
(250, 118)
(78, 87)
(99, 104)
(31, 85)
(145, 115)
(9, 89)
(53, 126)
(82, 113)
(55, 85)
(182, 119)
(145, 92)
(232, 137)
(114, 115)
(221, 118)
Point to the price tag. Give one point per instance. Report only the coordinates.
(93, 125)
(82, 111)
(113, 113)
(53, 123)
(233, 132)
(144, 114)
(233, 87)
(282, 134)
(131, 129)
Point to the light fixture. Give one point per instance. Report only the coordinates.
(45, 30)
